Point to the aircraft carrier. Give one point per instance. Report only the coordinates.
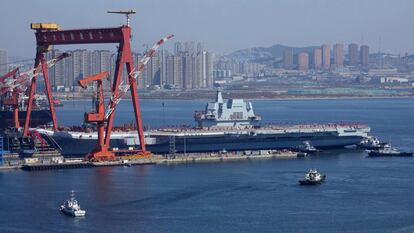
(229, 125)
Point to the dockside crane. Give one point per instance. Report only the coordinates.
(99, 116)
(11, 96)
(50, 34)
(101, 152)
(15, 82)
(22, 79)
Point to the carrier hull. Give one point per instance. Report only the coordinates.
(38, 117)
(169, 142)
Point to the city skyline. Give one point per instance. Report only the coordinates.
(225, 31)
(188, 67)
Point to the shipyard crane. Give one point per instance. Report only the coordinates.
(134, 74)
(13, 98)
(98, 116)
(4, 79)
(15, 82)
(50, 34)
(101, 152)
(21, 78)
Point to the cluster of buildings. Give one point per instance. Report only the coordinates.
(226, 68)
(187, 67)
(321, 58)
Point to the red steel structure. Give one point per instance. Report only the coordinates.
(121, 36)
(98, 116)
(13, 99)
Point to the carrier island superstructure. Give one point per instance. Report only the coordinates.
(230, 125)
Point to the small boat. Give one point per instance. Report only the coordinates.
(371, 143)
(313, 177)
(71, 207)
(388, 151)
(307, 148)
(302, 154)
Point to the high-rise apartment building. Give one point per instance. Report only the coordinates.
(200, 47)
(57, 72)
(326, 56)
(188, 71)
(317, 58)
(288, 58)
(209, 70)
(178, 48)
(303, 61)
(69, 82)
(174, 71)
(101, 61)
(86, 63)
(151, 74)
(4, 67)
(364, 56)
(189, 47)
(162, 56)
(353, 54)
(338, 52)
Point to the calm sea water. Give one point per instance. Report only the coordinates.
(360, 195)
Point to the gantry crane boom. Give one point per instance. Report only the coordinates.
(13, 98)
(13, 83)
(7, 83)
(123, 89)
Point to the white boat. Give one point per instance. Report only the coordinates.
(312, 177)
(71, 207)
(372, 143)
(307, 147)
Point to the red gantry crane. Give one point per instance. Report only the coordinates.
(50, 34)
(98, 116)
(13, 98)
(14, 83)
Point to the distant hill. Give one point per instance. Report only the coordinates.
(260, 54)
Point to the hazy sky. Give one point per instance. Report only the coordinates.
(223, 25)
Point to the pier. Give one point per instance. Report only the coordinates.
(167, 159)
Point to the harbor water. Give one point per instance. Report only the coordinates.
(360, 194)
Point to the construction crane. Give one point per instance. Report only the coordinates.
(8, 83)
(134, 74)
(13, 98)
(15, 83)
(101, 152)
(51, 36)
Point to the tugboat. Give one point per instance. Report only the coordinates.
(313, 177)
(371, 143)
(71, 207)
(307, 148)
(388, 151)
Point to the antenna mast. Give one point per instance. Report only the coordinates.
(126, 13)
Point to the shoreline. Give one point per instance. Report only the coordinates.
(269, 99)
